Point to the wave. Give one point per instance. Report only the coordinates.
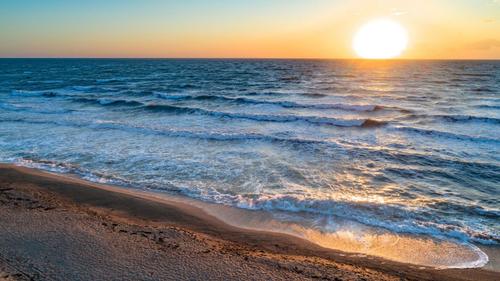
(285, 104)
(459, 80)
(468, 118)
(483, 90)
(113, 79)
(70, 91)
(313, 95)
(437, 82)
(393, 217)
(456, 118)
(479, 169)
(77, 91)
(447, 135)
(48, 93)
(79, 98)
(488, 106)
(70, 168)
(239, 100)
(486, 170)
(31, 109)
(363, 123)
(82, 88)
(267, 117)
(489, 75)
(75, 95)
(205, 135)
(110, 102)
(389, 155)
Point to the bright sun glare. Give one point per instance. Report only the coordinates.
(380, 39)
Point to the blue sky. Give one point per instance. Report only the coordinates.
(224, 28)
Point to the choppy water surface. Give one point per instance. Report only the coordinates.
(407, 148)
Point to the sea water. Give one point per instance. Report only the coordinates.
(401, 148)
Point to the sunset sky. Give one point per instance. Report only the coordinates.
(445, 29)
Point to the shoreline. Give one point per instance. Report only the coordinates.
(278, 254)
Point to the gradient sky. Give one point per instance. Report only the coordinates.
(444, 29)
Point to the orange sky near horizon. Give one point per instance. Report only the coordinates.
(463, 29)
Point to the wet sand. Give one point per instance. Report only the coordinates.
(55, 227)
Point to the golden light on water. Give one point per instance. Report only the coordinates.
(351, 237)
(380, 39)
(357, 239)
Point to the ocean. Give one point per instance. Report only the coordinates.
(410, 148)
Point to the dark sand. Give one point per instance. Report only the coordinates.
(58, 228)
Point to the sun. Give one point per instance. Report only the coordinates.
(380, 39)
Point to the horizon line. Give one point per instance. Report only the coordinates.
(263, 58)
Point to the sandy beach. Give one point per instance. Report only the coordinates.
(250, 140)
(59, 228)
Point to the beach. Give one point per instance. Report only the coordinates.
(61, 228)
(250, 140)
(352, 155)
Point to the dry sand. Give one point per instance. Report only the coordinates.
(58, 228)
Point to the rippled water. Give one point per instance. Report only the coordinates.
(407, 146)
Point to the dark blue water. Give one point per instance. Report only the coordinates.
(406, 146)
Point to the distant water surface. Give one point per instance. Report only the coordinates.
(410, 147)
